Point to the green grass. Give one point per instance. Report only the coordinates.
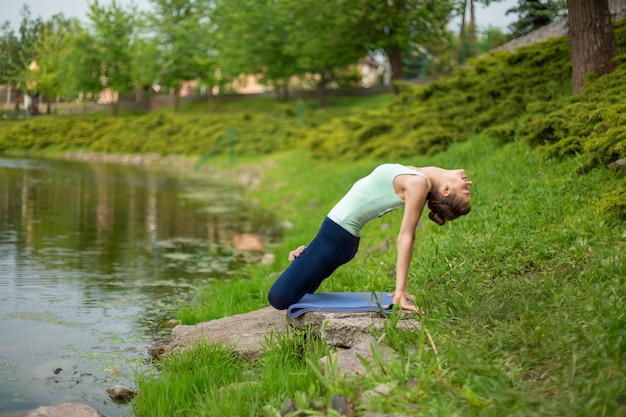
(524, 298)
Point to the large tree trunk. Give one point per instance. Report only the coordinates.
(591, 40)
(395, 60)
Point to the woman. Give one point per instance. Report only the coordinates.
(387, 188)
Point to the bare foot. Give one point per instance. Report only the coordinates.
(296, 252)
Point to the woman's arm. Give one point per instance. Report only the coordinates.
(413, 190)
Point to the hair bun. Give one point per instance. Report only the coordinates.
(436, 218)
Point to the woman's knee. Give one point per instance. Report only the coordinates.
(278, 299)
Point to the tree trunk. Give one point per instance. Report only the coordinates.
(212, 99)
(115, 105)
(282, 91)
(461, 56)
(326, 76)
(395, 60)
(9, 93)
(33, 107)
(472, 36)
(176, 98)
(591, 40)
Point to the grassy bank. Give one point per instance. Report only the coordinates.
(524, 299)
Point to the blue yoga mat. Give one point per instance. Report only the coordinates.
(342, 302)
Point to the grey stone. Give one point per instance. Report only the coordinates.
(66, 410)
(357, 360)
(120, 393)
(342, 405)
(381, 389)
(245, 333)
(348, 329)
(289, 406)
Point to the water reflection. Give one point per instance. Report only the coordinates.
(93, 257)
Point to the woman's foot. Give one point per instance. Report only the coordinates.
(296, 252)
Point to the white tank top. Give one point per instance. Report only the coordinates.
(370, 197)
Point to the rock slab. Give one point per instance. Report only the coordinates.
(245, 333)
(248, 333)
(66, 410)
(364, 358)
(346, 330)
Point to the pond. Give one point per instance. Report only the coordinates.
(95, 258)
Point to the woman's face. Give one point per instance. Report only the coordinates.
(459, 185)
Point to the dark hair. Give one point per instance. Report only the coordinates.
(443, 209)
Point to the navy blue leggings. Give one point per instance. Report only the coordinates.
(332, 247)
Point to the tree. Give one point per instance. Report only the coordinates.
(145, 64)
(467, 33)
(82, 63)
(253, 39)
(9, 57)
(113, 29)
(30, 30)
(45, 73)
(591, 40)
(397, 27)
(276, 40)
(533, 14)
(182, 36)
(324, 36)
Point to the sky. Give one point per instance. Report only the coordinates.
(494, 15)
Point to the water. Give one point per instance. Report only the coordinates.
(94, 259)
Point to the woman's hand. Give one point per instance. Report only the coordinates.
(296, 252)
(405, 301)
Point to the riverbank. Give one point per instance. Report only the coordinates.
(523, 298)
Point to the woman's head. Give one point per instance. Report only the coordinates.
(450, 198)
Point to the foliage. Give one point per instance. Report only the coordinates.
(74, 60)
(9, 52)
(253, 40)
(81, 65)
(262, 126)
(424, 119)
(183, 36)
(403, 27)
(219, 43)
(324, 36)
(280, 40)
(49, 46)
(591, 123)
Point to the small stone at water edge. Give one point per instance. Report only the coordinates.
(120, 393)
